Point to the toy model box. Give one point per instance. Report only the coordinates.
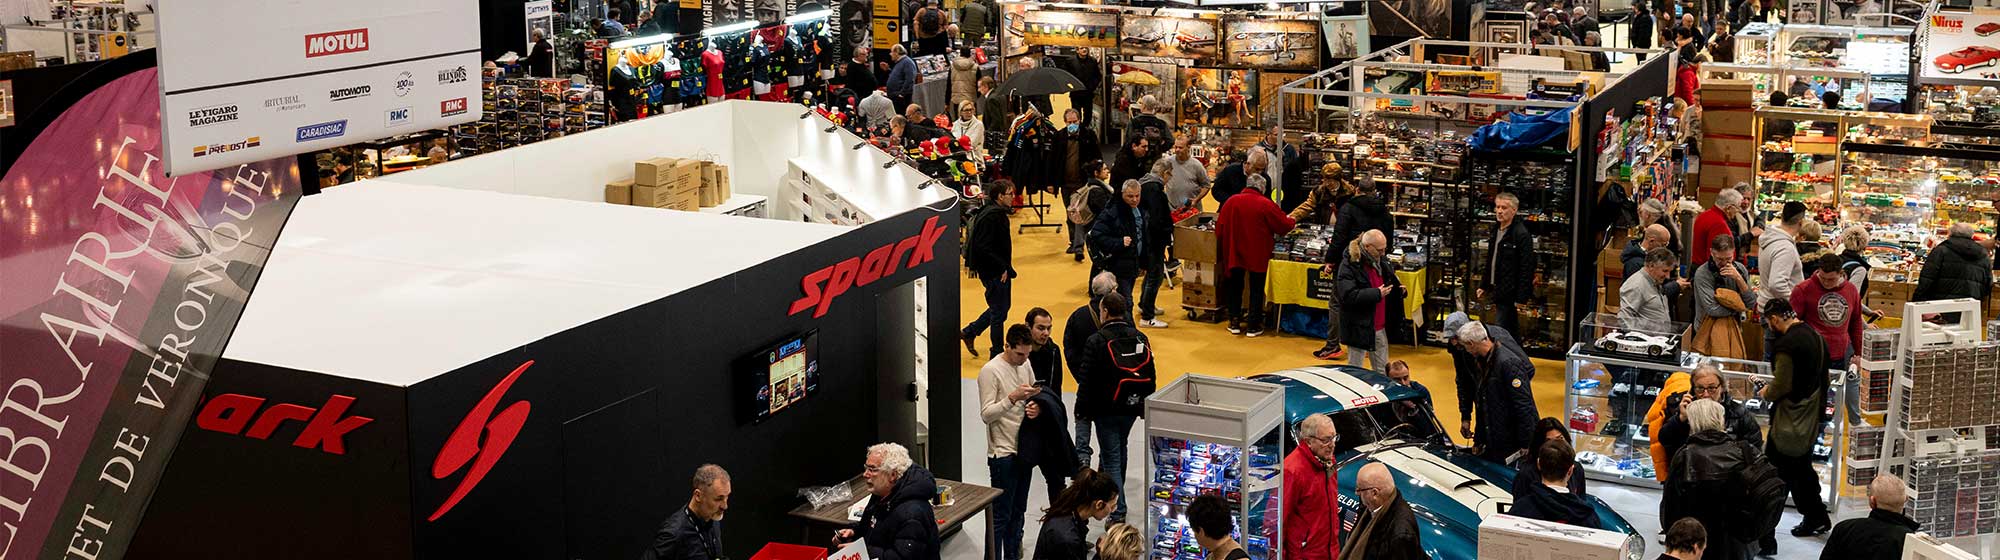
(1515, 538)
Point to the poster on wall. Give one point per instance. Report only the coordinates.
(1219, 97)
(1962, 46)
(1298, 108)
(1411, 18)
(1070, 29)
(124, 287)
(1271, 43)
(1171, 37)
(1014, 19)
(541, 14)
(1134, 80)
(855, 24)
(348, 72)
(1803, 12)
(887, 26)
(1346, 36)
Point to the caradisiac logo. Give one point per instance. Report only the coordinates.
(351, 92)
(465, 446)
(824, 284)
(326, 427)
(337, 42)
(284, 103)
(322, 131)
(404, 82)
(398, 117)
(212, 115)
(251, 142)
(452, 75)
(451, 107)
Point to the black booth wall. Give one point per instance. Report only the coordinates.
(1651, 79)
(621, 411)
(503, 26)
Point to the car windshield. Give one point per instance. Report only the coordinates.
(1406, 419)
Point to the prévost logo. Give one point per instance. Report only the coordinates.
(466, 446)
(404, 83)
(821, 286)
(337, 42)
(451, 107)
(398, 117)
(213, 115)
(453, 75)
(284, 103)
(325, 428)
(251, 142)
(322, 131)
(350, 92)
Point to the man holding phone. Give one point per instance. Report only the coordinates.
(1370, 299)
(1006, 385)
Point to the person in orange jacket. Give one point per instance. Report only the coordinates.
(1657, 415)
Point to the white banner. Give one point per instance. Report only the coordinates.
(1964, 46)
(541, 15)
(249, 80)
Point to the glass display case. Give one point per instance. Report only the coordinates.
(1545, 182)
(1754, 43)
(1796, 160)
(1962, 104)
(1908, 195)
(1214, 436)
(1813, 46)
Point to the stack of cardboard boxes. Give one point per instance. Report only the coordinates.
(1728, 145)
(673, 183)
(1194, 245)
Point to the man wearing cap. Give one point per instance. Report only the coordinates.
(1778, 262)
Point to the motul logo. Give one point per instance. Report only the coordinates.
(326, 427)
(464, 445)
(336, 42)
(864, 270)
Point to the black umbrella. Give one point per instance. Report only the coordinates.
(1041, 81)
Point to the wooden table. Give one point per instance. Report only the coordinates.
(967, 500)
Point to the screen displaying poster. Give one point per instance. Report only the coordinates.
(339, 73)
(1963, 46)
(1272, 43)
(124, 285)
(1070, 29)
(1346, 36)
(1171, 37)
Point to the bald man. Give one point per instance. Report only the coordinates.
(1388, 529)
(1371, 299)
(1649, 238)
(1312, 492)
(1878, 536)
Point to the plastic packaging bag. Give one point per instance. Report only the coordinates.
(823, 496)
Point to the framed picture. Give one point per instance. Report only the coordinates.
(1394, 18)
(1222, 97)
(1298, 108)
(1346, 36)
(1134, 80)
(1271, 43)
(1199, 39)
(1511, 31)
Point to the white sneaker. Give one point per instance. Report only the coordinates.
(1153, 323)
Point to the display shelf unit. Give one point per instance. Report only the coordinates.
(1545, 182)
(1943, 422)
(1211, 435)
(1798, 153)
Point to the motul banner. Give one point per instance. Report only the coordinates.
(121, 288)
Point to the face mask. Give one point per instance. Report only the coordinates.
(1072, 127)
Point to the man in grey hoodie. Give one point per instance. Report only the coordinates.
(1778, 262)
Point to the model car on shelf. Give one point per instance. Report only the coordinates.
(1450, 489)
(1632, 342)
(1969, 57)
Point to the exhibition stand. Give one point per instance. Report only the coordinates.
(482, 358)
(1215, 436)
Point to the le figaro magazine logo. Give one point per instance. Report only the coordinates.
(218, 114)
(331, 43)
(465, 446)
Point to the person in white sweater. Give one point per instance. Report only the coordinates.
(1778, 262)
(1006, 383)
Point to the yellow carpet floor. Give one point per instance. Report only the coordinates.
(1054, 281)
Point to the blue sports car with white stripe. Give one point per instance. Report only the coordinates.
(1448, 487)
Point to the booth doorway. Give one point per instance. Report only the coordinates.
(902, 368)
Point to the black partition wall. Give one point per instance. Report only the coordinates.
(1653, 78)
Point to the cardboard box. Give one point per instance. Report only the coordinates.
(1515, 538)
(650, 196)
(1727, 150)
(684, 199)
(1199, 296)
(1735, 122)
(618, 192)
(1193, 272)
(1192, 244)
(685, 175)
(1727, 94)
(654, 172)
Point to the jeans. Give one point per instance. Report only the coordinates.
(1507, 316)
(1011, 510)
(1083, 451)
(1149, 293)
(1771, 342)
(999, 297)
(1234, 283)
(1378, 358)
(1112, 433)
(1127, 277)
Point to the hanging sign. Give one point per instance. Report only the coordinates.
(1963, 46)
(886, 27)
(238, 89)
(540, 14)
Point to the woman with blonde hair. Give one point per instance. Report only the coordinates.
(1120, 542)
(1853, 241)
(968, 125)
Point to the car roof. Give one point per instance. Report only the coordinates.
(1333, 388)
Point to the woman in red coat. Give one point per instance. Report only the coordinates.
(1245, 229)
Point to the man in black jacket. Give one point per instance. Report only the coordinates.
(1362, 212)
(1158, 230)
(1957, 268)
(540, 61)
(1082, 324)
(1132, 161)
(1388, 527)
(1371, 298)
(1117, 238)
(1706, 383)
(1235, 176)
(1797, 394)
(1878, 536)
(1510, 266)
(989, 253)
(1552, 500)
(1506, 399)
(1116, 376)
(695, 532)
(898, 522)
(1047, 362)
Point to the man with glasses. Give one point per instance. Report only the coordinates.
(898, 523)
(1706, 383)
(1312, 495)
(1388, 529)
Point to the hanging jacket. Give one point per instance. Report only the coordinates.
(1045, 440)
(1957, 268)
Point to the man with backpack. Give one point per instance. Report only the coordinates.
(989, 254)
(1115, 377)
(1084, 204)
(1797, 394)
(1723, 483)
(930, 25)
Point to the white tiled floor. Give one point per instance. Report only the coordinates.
(1639, 506)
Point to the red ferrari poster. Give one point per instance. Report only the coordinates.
(1963, 46)
(121, 288)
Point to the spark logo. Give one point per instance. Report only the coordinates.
(326, 427)
(337, 42)
(823, 285)
(465, 445)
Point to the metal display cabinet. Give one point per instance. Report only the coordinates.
(1210, 435)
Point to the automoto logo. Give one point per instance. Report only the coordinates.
(404, 82)
(452, 76)
(322, 131)
(464, 445)
(284, 103)
(451, 107)
(251, 142)
(346, 93)
(336, 42)
(213, 115)
(398, 117)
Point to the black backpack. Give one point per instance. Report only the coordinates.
(1764, 492)
(1133, 356)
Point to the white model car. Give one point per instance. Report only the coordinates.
(1637, 343)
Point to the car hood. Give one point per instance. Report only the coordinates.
(1449, 490)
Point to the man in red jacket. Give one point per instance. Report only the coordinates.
(1312, 493)
(1245, 229)
(1715, 220)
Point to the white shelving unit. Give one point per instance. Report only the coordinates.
(1940, 433)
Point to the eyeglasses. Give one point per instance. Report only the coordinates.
(871, 469)
(1370, 489)
(1707, 388)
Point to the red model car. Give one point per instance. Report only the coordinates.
(1987, 28)
(1969, 57)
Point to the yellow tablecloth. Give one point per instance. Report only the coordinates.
(1288, 284)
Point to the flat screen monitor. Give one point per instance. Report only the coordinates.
(778, 378)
